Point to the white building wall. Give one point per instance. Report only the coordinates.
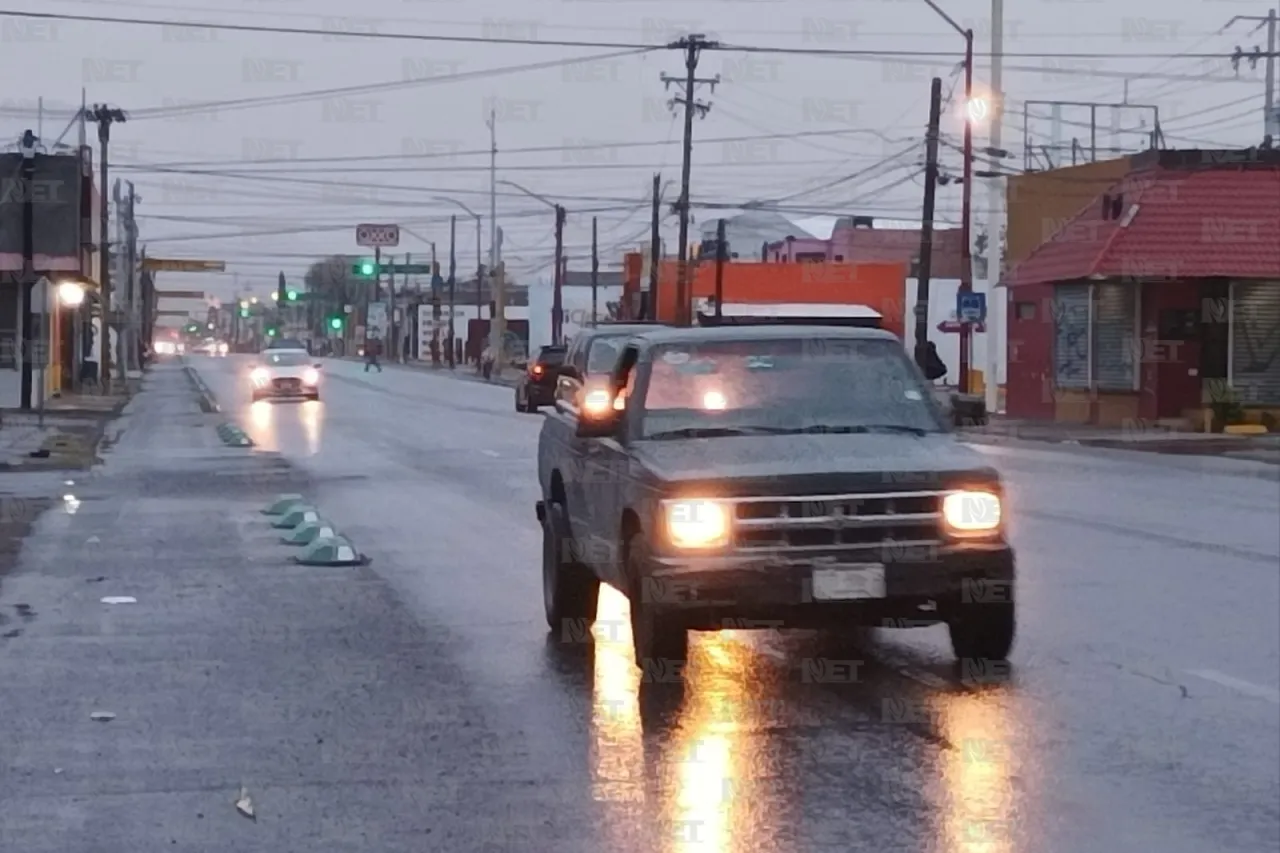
(942, 306)
(576, 304)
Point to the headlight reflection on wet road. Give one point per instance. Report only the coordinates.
(273, 426)
(702, 779)
(261, 419)
(977, 780)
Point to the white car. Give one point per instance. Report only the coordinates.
(285, 374)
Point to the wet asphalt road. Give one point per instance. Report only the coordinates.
(1142, 712)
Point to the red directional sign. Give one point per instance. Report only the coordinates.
(953, 327)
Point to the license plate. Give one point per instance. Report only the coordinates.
(849, 583)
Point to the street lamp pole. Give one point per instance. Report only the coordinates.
(966, 221)
(557, 304)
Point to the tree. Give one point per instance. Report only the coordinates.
(331, 282)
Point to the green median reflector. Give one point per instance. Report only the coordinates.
(298, 515)
(333, 551)
(282, 504)
(305, 534)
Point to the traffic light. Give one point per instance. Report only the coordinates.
(335, 323)
(271, 331)
(292, 295)
(365, 269)
(244, 312)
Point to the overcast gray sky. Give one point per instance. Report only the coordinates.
(425, 138)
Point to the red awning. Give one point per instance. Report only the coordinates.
(1157, 224)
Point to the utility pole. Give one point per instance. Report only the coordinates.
(721, 255)
(655, 247)
(1271, 117)
(493, 189)
(405, 324)
(134, 359)
(557, 297)
(966, 213)
(693, 46)
(926, 223)
(105, 116)
(595, 271)
(453, 266)
(26, 349)
(436, 343)
(995, 213)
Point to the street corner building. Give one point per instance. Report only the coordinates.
(63, 200)
(1146, 289)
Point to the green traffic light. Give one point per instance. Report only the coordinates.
(244, 312)
(271, 333)
(366, 268)
(292, 295)
(335, 322)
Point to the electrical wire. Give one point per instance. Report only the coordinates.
(566, 43)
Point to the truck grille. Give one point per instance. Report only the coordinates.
(894, 522)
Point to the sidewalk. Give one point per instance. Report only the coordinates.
(134, 726)
(1001, 430)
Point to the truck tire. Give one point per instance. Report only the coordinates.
(570, 590)
(983, 631)
(658, 640)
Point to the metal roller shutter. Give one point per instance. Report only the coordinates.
(1255, 346)
(1115, 318)
(1071, 336)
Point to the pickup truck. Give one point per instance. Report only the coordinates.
(796, 477)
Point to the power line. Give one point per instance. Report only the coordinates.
(567, 43)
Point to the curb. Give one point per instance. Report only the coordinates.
(208, 402)
(1187, 462)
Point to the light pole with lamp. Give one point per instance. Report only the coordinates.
(966, 225)
(557, 303)
(479, 256)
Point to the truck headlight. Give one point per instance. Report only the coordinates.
(697, 523)
(971, 513)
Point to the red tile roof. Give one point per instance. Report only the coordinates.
(1173, 223)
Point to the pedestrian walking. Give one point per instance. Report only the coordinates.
(371, 355)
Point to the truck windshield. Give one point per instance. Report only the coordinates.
(784, 386)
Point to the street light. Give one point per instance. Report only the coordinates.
(71, 294)
(557, 304)
(966, 220)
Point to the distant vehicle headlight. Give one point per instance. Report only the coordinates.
(222, 348)
(971, 512)
(311, 376)
(260, 376)
(697, 523)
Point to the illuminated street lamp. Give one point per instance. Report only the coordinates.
(978, 110)
(71, 294)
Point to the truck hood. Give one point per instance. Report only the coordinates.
(791, 464)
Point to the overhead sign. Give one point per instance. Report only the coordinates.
(378, 236)
(180, 294)
(181, 265)
(408, 269)
(183, 314)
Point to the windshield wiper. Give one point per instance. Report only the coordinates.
(718, 432)
(847, 429)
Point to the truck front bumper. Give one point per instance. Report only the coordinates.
(778, 590)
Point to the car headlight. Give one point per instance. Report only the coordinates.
(311, 376)
(697, 523)
(260, 376)
(971, 513)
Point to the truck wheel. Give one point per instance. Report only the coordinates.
(983, 631)
(569, 589)
(655, 636)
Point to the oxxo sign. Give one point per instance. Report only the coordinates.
(378, 236)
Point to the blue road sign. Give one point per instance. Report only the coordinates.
(971, 306)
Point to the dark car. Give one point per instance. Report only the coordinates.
(799, 477)
(537, 387)
(593, 352)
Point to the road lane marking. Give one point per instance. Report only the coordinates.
(1246, 687)
(492, 453)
